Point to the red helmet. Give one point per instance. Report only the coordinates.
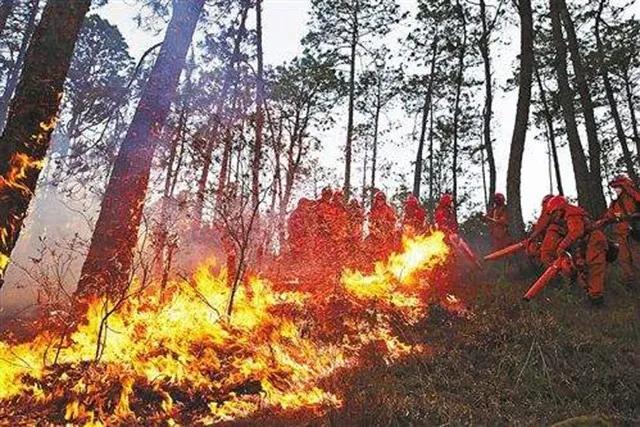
(326, 194)
(546, 199)
(379, 197)
(412, 200)
(621, 181)
(499, 199)
(556, 203)
(446, 199)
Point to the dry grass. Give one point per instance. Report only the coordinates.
(513, 363)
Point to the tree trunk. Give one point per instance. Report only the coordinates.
(598, 201)
(229, 77)
(608, 89)
(514, 171)
(107, 267)
(417, 174)
(456, 108)
(551, 133)
(14, 73)
(32, 115)
(431, 193)
(488, 103)
(632, 111)
(352, 86)
(565, 98)
(255, 184)
(5, 11)
(374, 148)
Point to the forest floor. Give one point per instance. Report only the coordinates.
(554, 360)
(513, 363)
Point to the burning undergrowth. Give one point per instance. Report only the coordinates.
(180, 358)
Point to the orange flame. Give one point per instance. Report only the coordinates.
(263, 357)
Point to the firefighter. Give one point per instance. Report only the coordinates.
(356, 222)
(324, 217)
(445, 215)
(498, 222)
(625, 230)
(545, 236)
(301, 228)
(382, 222)
(414, 218)
(339, 226)
(588, 248)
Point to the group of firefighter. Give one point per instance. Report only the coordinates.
(564, 239)
(330, 231)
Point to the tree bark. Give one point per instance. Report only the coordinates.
(352, 86)
(565, 98)
(374, 148)
(257, 149)
(6, 7)
(488, 103)
(456, 108)
(230, 76)
(431, 188)
(417, 174)
(608, 89)
(14, 73)
(632, 111)
(551, 133)
(514, 171)
(32, 115)
(598, 202)
(107, 268)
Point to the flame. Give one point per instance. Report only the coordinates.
(193, 364)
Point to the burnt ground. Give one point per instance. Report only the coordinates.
(512, 363)
(508, 363)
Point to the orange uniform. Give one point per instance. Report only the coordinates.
(627, 203)
(382, 227)
(498, 223)
(301, 227)
(548, 234)
(414, 219)
(445, 215)
(588, 247)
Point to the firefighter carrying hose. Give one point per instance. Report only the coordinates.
(586, 245)
(414, 218)
(626, 231)
(445, 215)
(498, 222)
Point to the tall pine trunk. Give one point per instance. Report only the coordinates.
(565, 98)
(374, 148)
(352, 89)
(32, 115)
(6, 7)
(551, 133)
(488, 103)
(107, 268)
(632, 111)
(417, 174)
(456, 107)
(608, 89)
(598, 201)
(514, 171)
(217, 127)
(14, 73)
(257, 149)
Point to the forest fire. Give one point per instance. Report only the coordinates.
(179, 358)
